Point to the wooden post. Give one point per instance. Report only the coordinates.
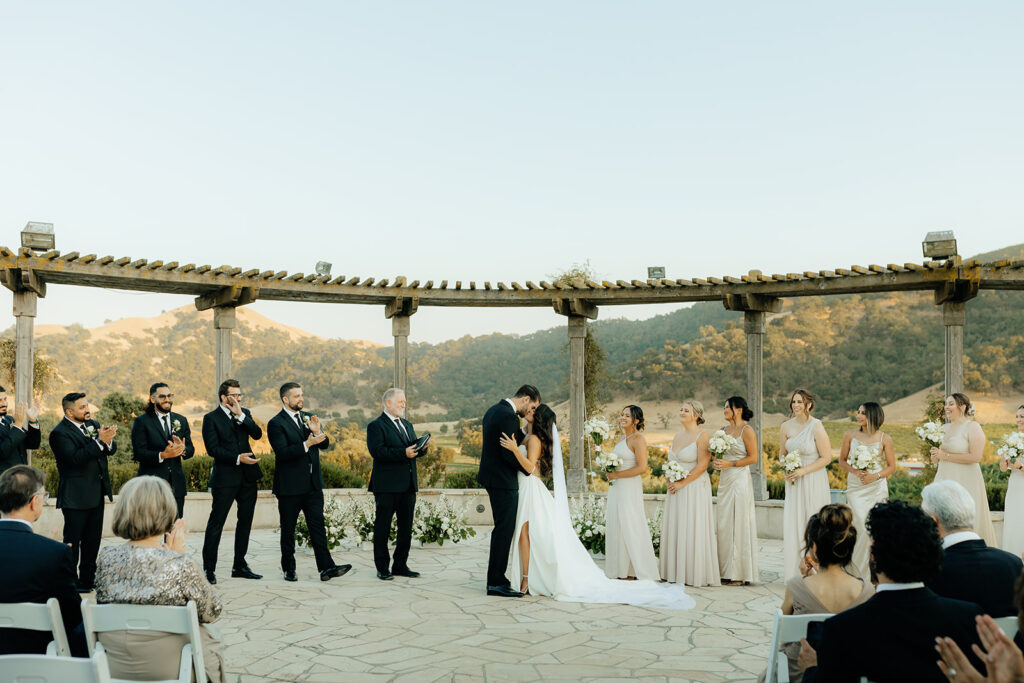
(24, 354)
(954, 316)
(223, 324)
(754, 326)
(576, 477)
(400, 330)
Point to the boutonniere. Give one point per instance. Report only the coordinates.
(175, 426)
(305, 419)
(91, 431)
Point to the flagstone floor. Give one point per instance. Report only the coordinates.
(441, 626)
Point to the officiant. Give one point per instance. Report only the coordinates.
(391, 441)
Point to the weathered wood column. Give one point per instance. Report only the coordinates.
(578, 313)
(224, 301)
(755, 313)
(24, 348)
(953, 297)
(399, 311)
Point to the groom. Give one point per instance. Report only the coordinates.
(498, 468)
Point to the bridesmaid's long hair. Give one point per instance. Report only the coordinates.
(832, 535)
(543, 422)
(806, 396)
(875, 415)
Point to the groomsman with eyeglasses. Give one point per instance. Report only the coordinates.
(161, 439)
(234, 477)
(17, 434)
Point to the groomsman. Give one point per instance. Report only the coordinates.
(391, 441)
(297, 439)
(161, 440)
(17, 437)
(81, 448)
(234, 477)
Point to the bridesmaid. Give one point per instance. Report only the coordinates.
(689, 551)
(1013, 528)
(736, 523)
(959, 458)
(806, 487)
(864, 488)
(629, 552)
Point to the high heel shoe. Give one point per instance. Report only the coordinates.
(524, 585)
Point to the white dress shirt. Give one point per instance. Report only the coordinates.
(16, 519)
(899, 586)
(291, 416)
(959, 537)
(165, 423)
(397, 421)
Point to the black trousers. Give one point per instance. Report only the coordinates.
(180, 500)
(83, 530)
(504, 503)
(389, 505)
(312, 506)
(223, 496)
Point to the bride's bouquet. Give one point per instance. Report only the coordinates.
(608, 462)
(1012, 448)
(674, 471)
(791, 462)
(720, 443)
(866, 458)
(931, 432)
(597, 429)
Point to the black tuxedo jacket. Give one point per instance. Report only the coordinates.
(891, 637)
(15, 443)
(498, 467)
(35, 569)
(225, 440)
(296, 470)
(393, 472)
(81, 465)
(974, 572)
(148, 441)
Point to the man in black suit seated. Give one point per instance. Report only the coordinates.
(891, 637)
(81, 448)
(391, 441)
(235, 477)
(971, 570)
(161, 439)
(17, 435)
(35, 568)
(297, 439)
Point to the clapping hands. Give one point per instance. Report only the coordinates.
(1002, 657)
(175, 447)
(175, 540)
(107, 433)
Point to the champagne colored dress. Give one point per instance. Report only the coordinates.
(804, 497)
(955, 441)
(689, 550)
(861, 498)
(736, 524)
(1013, 518)
(628, 547)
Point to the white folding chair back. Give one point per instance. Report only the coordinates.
(788, 628)
(1010, 626)
(47, 669)
(35, 616)
(167, 619)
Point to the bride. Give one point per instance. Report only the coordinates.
(547, 557)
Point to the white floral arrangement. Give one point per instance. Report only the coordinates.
(931, 432)
(91, 431)
(720, 443)
(441, 521)
(305, 419)
(791, 461)
(674, 471)
(359, 517)
(654, 526)
(335, 523)
(1012, 448)
(597, 429)
(588, 521)
(866, 458)
(609, 462)
(175, 426)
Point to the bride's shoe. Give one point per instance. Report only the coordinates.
(524, 585)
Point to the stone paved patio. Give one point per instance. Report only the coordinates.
(441, 626)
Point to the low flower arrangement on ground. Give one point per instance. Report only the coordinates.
(441, 521)
(654, 526)
(335, 522)
(588, 519)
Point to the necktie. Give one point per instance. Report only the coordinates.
(401, 429)
(166, 424)
(85, 432)
(298, 421)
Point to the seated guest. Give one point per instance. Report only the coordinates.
(891, 637)
(825, 586)
(1003, 657)
(151, 569)
(35, 568)
(971, 570)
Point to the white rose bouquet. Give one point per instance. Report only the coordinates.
(931, 432)
(597, 429)
(609, 462)
(674, 471)
(791, 462)
(720, 443)
(866, 458)
(1012, 448)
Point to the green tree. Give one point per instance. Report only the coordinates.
(471, 438)
(44, 371)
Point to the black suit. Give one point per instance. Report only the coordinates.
(498, 469)
(230, 481)
(15, 443)
(299, 486)
(973, 572)
(149, 439)
(84, 481)
(891, 637)
(36, 569)
(394, 486)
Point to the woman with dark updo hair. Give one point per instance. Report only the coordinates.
(736, 524)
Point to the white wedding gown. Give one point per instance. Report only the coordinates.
(560, 567)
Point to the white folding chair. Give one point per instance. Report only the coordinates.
(47, 669)
(35, 616)
(1009, 625)
(788, 628)
(167, 619)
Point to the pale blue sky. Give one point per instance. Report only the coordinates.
(473, 141)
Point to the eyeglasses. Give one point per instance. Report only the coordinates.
(44, 494)
(163, 396)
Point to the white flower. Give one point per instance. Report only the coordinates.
(674, 471)
(867, 458)
(791, 461)
(175, 425)
(720, 443)
(931, 432)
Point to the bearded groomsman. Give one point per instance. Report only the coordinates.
(297, 439)
(391, 441)
(16, 435)
(161, 440)
(81, 448)
(234, 477)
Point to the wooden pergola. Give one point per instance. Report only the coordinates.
(27, 274)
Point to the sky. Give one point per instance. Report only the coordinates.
(504, 141)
